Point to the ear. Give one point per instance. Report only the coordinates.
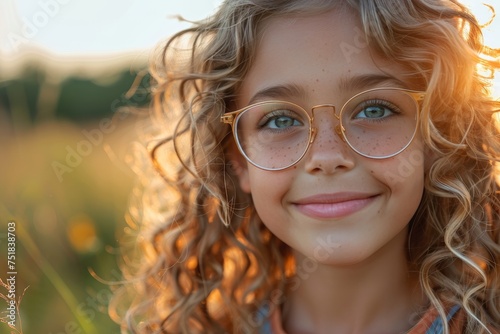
(239, 167)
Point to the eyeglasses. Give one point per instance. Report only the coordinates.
(378, 123)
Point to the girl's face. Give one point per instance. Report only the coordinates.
(334, 205)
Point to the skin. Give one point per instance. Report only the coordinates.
(353, 275)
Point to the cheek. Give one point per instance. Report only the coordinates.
(404, 170)
(268, 190)
(402, 177)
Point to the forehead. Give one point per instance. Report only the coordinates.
(318, 52)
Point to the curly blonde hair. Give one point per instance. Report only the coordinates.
(205, 263)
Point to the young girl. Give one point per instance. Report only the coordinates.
(327, 167)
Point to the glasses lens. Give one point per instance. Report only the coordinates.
(380, 123)
(273, 135)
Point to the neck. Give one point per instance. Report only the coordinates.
(379, 295)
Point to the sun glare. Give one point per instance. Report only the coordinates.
(486, 12)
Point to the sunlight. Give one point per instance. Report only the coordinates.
(484, 14)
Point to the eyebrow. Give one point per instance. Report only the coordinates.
(278, 92)
(346, 84)
(367, 81)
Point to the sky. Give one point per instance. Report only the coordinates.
(94, 28)
(89, 27)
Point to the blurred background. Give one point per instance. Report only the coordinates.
(68, 71)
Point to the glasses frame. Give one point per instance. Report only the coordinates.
(232, 118)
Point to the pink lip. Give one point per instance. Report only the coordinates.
(328, 206)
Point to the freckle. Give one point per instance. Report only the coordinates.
(371, 171)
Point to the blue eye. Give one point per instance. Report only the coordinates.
(373, 110)
(280, 120)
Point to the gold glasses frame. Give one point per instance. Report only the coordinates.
(232, 118)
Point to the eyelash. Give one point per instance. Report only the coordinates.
(376, 102)
(275, 114)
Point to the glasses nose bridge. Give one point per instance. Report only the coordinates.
(314, 129)
(331, 106)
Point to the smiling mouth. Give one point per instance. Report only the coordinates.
(333, 206)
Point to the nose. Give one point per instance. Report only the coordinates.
(328, 152)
